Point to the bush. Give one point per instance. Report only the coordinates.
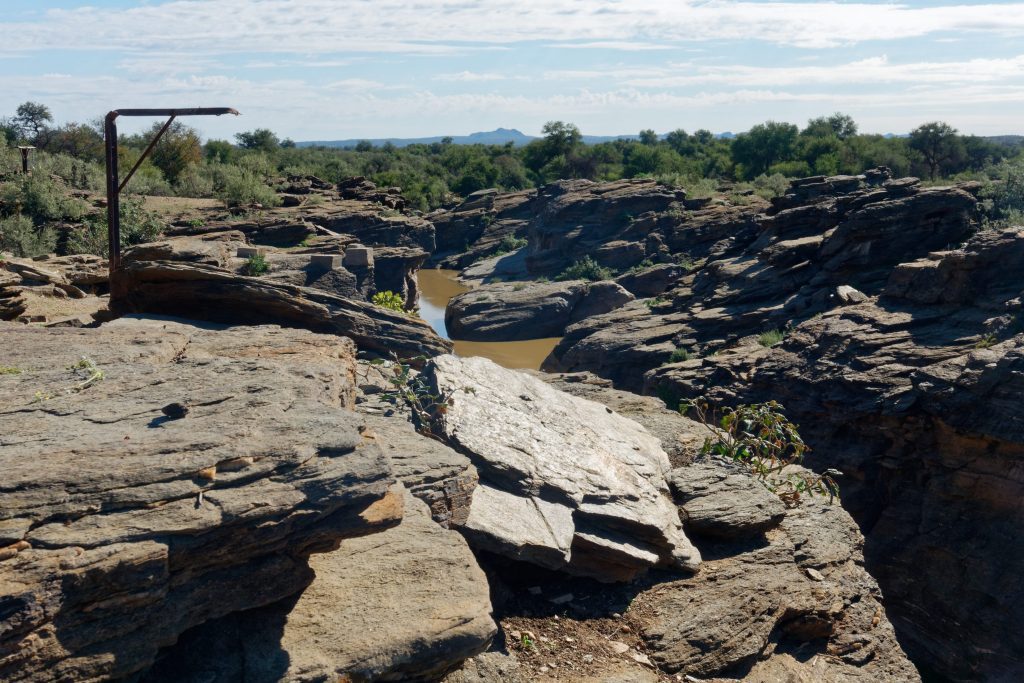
(138, 226)
(585, 269)
(770, 186)
(389, 300)
(771, 338)
(241, 187)
(256, 265)
(679, 355)
(22, 238)
(761, 439)
(42, 199)
(194, 183)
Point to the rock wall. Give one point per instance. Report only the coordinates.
(915, 396)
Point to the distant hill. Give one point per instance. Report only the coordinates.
(499, 136)
(1008, 140)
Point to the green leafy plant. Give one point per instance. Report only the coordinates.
(389, 300)
(195, 222)
(21, 237)
(413, 389)
(585, 269)
(526, 642)
(771, 338)
(643, 265)
(256, 265)
(762, 440)
(655, 302)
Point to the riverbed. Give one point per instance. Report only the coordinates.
(437, 287)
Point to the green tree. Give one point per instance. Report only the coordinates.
(938, 145)
(262, 139)
(763, 146)
(177, 149)
(220, 151)
(648, 137)
(32, 119)
(840, 125)
(560, 138)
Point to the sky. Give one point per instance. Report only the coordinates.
(339, 69)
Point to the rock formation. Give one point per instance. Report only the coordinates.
(124, 523)
(509, 312)
(913, 394)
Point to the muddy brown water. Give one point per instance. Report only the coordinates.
(437, 287)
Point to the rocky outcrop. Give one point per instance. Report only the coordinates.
(914, 395)
(782, 593)
(406, 604)
(361, 189)
(199, 279)
(475, 229)
(565, 483)
(782, 268)
(510, 311)
(140, 498)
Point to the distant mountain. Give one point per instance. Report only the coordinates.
(499, 136)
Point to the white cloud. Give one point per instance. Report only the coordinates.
(446, 26)
(470, 77)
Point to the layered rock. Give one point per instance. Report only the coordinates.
(406, 604)
(565, 483)
(510, 311)
(201, 278)
(782, 593)
(159, 475)
(914, 395)
(476, 228)
(784, 268)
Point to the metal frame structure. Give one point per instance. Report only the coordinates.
(25, 149)
(114, 185)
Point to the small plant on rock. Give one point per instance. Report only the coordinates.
(9, 370)
(413, 389)
(771, 338)
(256, 265)
(679, 355)
(389, 300)
(761, 439)
(585, 269)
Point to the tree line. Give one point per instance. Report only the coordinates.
(432, 175)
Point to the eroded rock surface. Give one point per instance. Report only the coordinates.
(407, 604)
(510, 312)
(915, 395)
(564, 482)
(192, 478)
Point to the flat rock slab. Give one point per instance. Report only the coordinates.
(123, 524)
(407, 604)
(721, 501)
(565, 483)
(509, 311)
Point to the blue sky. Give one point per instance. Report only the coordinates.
(330, 69)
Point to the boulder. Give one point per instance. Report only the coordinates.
(724, 502)
(529, 310)
(158, 475)
(407, 604)
(565, 483)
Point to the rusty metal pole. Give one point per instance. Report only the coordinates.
(24, 160)
(113, 193)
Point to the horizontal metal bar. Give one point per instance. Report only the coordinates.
(201, 111)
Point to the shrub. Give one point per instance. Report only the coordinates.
(771, 338)
(42, 199)
(390, 300)
(762, 440)
(241, 187)
(585, 269)
(256, 265)
(511, 243)
(194, 183)
(679, 355)
(21, 237)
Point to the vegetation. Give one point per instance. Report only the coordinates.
(256, 265)
(762, 440)
(586, 269)
(679, 355)
(245, 172)
(771, 338)
(9, 370)
(510, 243)
(85, 370)
(390, 300)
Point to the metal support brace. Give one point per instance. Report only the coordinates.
(114, 185)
